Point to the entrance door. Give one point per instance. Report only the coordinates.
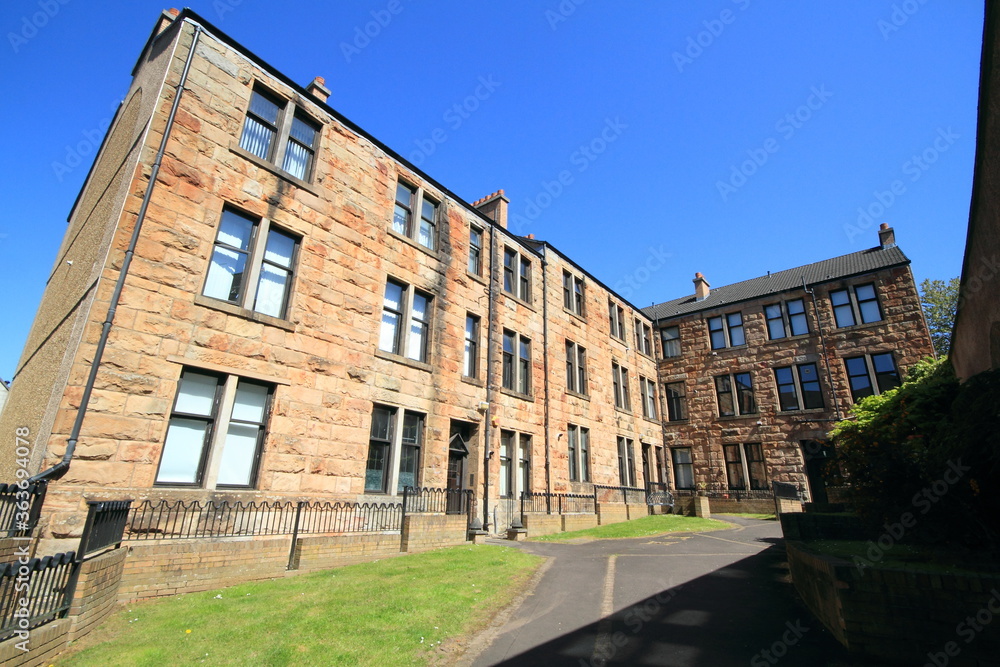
(818, 455)
(458, 454)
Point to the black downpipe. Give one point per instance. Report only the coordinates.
(59, 469)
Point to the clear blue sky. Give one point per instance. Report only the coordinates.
(829, 102)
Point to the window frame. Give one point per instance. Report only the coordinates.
(470, 352)
(647, 389)
(516, 371)
(414, 219)
(254, 260)
(752, 470)
(517, 278)
(578, 450)
(871, 375)
(797, 384)
(282, 133)
(626, 462)
(406, 316)
(687, 465)
(208, 468)
(576, 369)
(792, 324)
(643, 337)
(574, 293)
(855, 305)
(675, 341)
(616, 318)
(619, 381)
(742, 395)
(395, 445)
(725, 330)
(515, 453)
(676, 402)
(475, 266)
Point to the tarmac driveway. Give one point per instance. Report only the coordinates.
(693, 600)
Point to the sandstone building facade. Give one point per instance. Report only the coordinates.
(756, 373)
(256, 299)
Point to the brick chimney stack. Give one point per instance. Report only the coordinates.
(886, 236)
(701, 287)
(318, 89)
(167, 17)
(494, 206)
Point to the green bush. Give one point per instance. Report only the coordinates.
(930, 448)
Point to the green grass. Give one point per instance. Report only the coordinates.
(750, 515)
(643, 527)
(389, 612)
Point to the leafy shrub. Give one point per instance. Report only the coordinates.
(931, 447)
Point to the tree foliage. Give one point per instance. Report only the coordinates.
(940, 302)
(930, 448)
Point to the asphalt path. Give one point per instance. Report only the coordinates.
(684, 600)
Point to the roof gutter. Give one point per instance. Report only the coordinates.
(59, 469)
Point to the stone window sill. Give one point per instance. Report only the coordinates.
(239, 311)
(274, 169)
(405, 361)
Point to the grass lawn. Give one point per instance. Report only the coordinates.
(389, 612)
(643, 527)
(750, 515)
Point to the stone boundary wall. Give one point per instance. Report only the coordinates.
(322, 552)
(607, 513)
(9, 548)
(903, 616)
(572, 522)
(543, 524)
(430, 531)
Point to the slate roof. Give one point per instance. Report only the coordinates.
(856, 263)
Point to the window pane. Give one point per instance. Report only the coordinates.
(734, 467)
(280, 248)
(407, 468)
(265, 107)
(886, 374)
(683, 470)
(735, 322)
(381, 424)
(375, 468)
(797, 317)
(857, 376)
(724, 390)
(812, 394)
(238, 450)
(787, 396)
(225, 274)
(271, 291)
(865, 292)
(775, 324)
(744, 390)
(182, 451)
(235, 230)
(297, 160)
(389, 333)
(717, 336)
(842, 310)
(755, 466)
(393, 296)
(670, 336)
(196, 395)
(251, 399)
(303, 131)
(256, 138)
(584, 455)
(403, 209)
(475, 250)
(417, 343)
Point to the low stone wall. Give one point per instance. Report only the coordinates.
(578, 522)
(637, 511)
(749, 506)
(903, 616)
(788, 506)
(608, 513)
(430, 531)
(543, 524)
(321, 552)
(43, 645)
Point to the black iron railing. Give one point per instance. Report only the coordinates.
(658, 494)
(177, 519)
(318, 518)
(619, 494)
(34, 593)
(105, 525)
(558, 503)
(424, 500)
(20, 507)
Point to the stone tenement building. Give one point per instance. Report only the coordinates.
(255, 299)
(755, 373)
